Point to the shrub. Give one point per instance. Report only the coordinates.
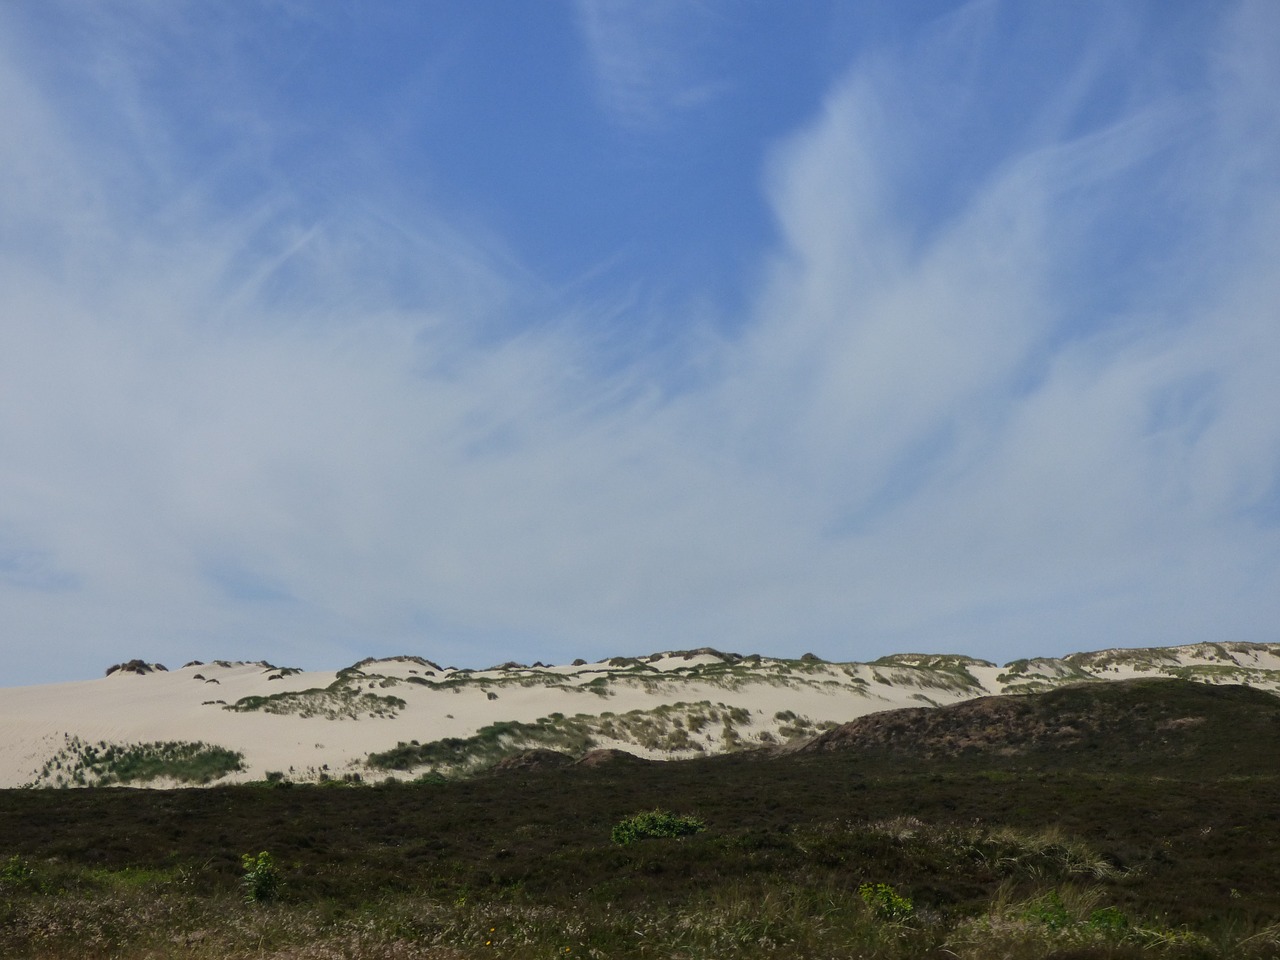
(654, 823)
(1110, 921)
(886, 903)
(16, 872)
(1050, 911)
(261, 881)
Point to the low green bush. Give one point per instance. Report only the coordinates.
(654, 824)
(1111, 921)
(886, 903)
(17, 872)
(262, 880)
(1050, 911)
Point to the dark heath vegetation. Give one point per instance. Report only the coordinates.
(1122, 820)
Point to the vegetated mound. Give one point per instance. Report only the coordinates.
(79, 763)
(136, 666)
(536, 759)
(932, 661)
(1171, 724)
(721, 655)
(609, 755)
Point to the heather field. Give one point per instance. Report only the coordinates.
(837, 852)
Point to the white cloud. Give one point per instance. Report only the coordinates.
(314, 437)
(1008, 472)
(645, 57)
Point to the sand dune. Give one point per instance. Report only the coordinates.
(308, 726)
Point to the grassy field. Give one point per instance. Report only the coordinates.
(844, 853)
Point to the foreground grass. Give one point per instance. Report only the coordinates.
(807, 857)
(121, 917)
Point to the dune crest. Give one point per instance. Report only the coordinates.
(406, 716)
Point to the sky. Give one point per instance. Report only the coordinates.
(497, 331)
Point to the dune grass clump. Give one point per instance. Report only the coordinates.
(337, 702)
(668, 729)
(1068, 921)
(487, 746)
(81, 764)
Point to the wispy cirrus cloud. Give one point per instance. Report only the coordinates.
(648, 59)
(988, 445)
(237, 420)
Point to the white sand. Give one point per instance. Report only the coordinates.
(188, 704)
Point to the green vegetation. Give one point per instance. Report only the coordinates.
(336, 702)
(493, 867)
(261, 880)
(1035, 676)
(886, 903)
(654, 824)
(1145, 725)
(678, 728)
(487, 746)
(16, 873)
(988, 864)
(78, 763)
(940, 671)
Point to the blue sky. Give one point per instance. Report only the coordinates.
(491, 331)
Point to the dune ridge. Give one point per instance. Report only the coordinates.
(407, 716)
